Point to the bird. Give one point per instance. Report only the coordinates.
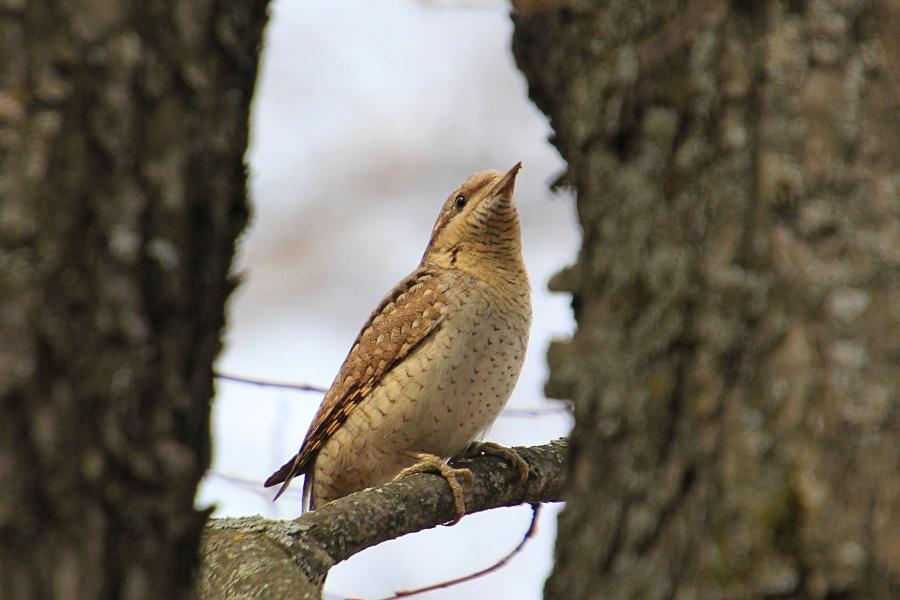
(434, 364)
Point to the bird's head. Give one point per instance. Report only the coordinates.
(478, 222)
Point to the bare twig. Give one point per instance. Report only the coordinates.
(300, 387)
(251, 486)
(248, 485)
(537, 411)
(532, 528)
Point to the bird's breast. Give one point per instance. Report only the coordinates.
(440, 397)
(468, 370)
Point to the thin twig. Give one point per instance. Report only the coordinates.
(305, 387)
(240, 481)
(247, 485)
(301, 387)
(537, 411)
(532, 528)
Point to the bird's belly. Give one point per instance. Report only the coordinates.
(438, 400)
(480, 361)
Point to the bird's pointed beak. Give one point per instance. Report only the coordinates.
(507, 183)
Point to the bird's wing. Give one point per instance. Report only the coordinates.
(404, 319)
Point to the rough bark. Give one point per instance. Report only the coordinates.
(252, 557)
(122, 132)
(735, 368)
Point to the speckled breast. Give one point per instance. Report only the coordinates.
(480, 349)
(443, 396)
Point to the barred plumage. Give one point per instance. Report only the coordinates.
(437, 359)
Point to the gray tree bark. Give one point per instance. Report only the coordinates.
(122, 132)
(735, 373)
(736, 366)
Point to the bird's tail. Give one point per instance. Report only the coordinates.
(287, 472)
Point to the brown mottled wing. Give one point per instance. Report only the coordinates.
(403, 320)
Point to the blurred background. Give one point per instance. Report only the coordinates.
(366, 116)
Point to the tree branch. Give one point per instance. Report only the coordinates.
(253, 557)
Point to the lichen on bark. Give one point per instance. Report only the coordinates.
(734, 373)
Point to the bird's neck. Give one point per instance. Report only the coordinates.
(495, 254)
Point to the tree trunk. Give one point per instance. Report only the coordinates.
(122, 132)
(735, 368)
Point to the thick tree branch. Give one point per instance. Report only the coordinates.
(253, 557)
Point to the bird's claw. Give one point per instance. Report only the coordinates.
(508, 454)
(429, 463)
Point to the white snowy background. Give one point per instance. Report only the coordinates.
(366, 115)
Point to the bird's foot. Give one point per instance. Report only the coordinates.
(508, 454)
(429, 463)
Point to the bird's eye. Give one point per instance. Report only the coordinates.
(460, 201)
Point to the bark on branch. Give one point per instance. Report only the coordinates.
(253, 557)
